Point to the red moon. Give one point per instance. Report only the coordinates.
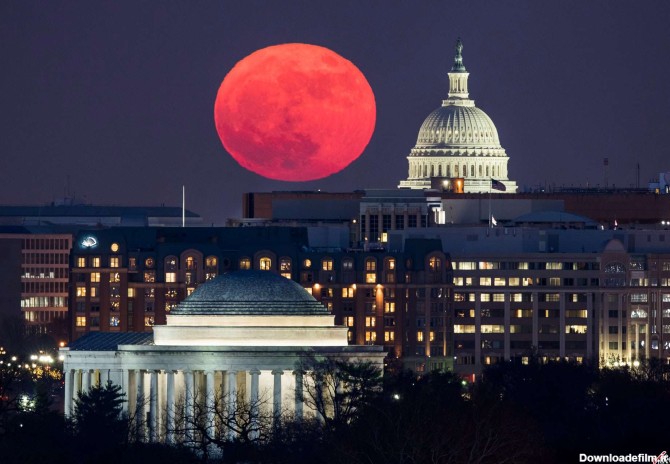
(295, 112)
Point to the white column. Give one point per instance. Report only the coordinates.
(299, 398)
(140, 406)
(69, 383)
(209, 402)
(125, 386)
(188, 405)
(232, 398)
(153, 407)
(253, 400)
(85, 380)
(170, 408)
(276, 393)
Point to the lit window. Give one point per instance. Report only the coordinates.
(349, 321)
(419, 336)
(115, 277)
(171, 263)
(389, 336)
(371, 277)
(81, 321)
(81, 262)
(370, 336)
(211, 261)
(189, 290)
(114, 321)
(81, 291)
(370, 321)
(285, 265)
(265, 264)
(149, 262)
(149, 276)
(170, 277)
(114, 247)
(347, 265)
(327, 264)
(370, 265)
(431, 336)
(347, 292)
(210, 275)
(94, 292)
(95, 261)
(190, 262)
(499, 281)
(148, 321)
(245, 264)
(435, 264)
(390, 264)
(307, 263)
(131, 293)
(95, 277)
(114, 261)
(389, 307)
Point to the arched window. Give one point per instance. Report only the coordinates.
(211, 261)
(265, 263)
(487, 172)
(245, 264)
(472, 171)
(448, 170)
(434, 264)
(480, 170)
(190, 262)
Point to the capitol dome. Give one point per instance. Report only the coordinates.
(458, 140)
(450, 126)
(249, 293)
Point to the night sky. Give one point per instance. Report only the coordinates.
(115, 99)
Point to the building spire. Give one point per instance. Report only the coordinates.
(458, 59)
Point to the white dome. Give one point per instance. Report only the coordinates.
(458, 140)
(458, 127)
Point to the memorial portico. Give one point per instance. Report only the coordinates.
(239, 336)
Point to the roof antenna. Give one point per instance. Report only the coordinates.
(183, 205)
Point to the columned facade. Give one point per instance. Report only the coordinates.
(239, 341)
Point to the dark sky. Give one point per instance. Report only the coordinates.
(115, 98)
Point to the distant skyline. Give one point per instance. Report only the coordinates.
(114, 100)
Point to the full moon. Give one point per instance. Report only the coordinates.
(295, 112)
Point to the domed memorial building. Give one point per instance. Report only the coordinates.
(458, 141)
(240, 335)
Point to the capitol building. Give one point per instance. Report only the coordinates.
(458, 141)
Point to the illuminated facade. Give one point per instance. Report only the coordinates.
(38, 265)
(239, 337)
(458, 140)
(132, 279)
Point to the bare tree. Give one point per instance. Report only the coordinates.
(337, 388)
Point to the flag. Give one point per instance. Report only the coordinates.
(493, 221)
(497, 185)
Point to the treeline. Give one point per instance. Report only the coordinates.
(538, 412)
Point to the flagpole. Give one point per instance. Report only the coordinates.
(490, 183)
(183, 205)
